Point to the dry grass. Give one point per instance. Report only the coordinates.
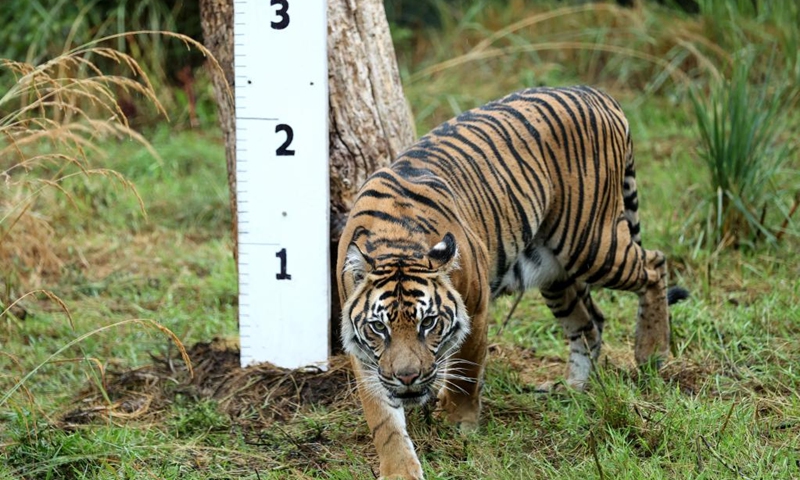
(26, 246)
(592, 37)
(146, 323)
(57, 115)
(53, 121)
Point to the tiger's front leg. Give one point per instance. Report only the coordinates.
(460, 397)
(582, 322)
(387, 423)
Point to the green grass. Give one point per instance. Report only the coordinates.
(726, 406)
(734, 340)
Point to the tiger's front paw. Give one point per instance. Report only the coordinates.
(550, 386)
(554, 387)
(461, 410)
(408, 469)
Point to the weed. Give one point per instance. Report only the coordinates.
(57, 113)
(49, 133)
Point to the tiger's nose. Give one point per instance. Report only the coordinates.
(407, 377)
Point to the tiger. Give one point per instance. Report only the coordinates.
(536, 189)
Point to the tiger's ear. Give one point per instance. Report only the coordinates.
(358, 264)
(444, 255)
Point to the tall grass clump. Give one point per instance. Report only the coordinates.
(53, 120)
(742, 125)
(490, 49)
(46, 29)
(736, 24)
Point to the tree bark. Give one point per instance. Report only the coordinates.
(370, 121)
(216, 19)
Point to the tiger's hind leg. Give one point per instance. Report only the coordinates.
(652, 320)
(644, 272)
(571, 303)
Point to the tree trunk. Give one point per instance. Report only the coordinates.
(216, 18)
(369, 119)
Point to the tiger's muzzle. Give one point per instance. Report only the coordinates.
(409, 386)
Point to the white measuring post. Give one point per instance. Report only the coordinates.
(280, 65)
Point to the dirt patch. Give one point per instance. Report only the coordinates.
(691, 378)
(263, 394)
(258, 394)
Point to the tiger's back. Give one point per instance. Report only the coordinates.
(536, 189)
(533, 175)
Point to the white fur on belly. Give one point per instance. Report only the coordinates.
(534, 274)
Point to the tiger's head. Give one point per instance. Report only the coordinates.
(403, 318)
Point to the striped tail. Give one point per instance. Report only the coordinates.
(629, 193)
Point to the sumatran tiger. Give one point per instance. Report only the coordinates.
(536, 189)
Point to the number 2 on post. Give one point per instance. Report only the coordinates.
(283, 150)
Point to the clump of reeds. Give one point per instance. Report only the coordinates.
(743, 128)
(53, 122)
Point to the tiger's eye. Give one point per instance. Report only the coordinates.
(378, 326)
(427, 322)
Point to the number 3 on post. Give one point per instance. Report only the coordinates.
(282, 12)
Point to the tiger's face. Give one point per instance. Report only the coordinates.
(403, 319)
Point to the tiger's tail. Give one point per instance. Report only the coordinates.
(630, 195)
